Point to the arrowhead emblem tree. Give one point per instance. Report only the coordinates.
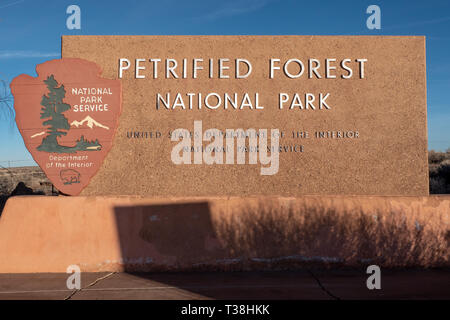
(52, 109)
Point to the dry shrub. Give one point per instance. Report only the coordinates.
(436, 157)
(439, 169)
(440, 177)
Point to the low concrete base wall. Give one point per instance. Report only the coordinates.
(47, 234)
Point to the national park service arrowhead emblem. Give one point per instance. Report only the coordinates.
(67, 116)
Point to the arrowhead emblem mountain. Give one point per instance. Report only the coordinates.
(89, 121)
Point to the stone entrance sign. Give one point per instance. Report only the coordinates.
(346, 115)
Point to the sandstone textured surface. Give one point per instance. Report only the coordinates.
(387, 108)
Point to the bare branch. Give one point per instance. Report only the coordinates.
(6, 101)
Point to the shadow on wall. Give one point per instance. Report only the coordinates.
(182, 237)
(347, 237)
(20, 190)
(173, 234)
(268, 235)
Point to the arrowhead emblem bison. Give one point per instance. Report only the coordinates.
(69, 176)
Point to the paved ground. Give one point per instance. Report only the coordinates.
(410, 284)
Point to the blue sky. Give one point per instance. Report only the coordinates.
(30, 33)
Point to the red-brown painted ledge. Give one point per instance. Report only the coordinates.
(47, 234)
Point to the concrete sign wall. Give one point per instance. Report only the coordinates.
(319, 114)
